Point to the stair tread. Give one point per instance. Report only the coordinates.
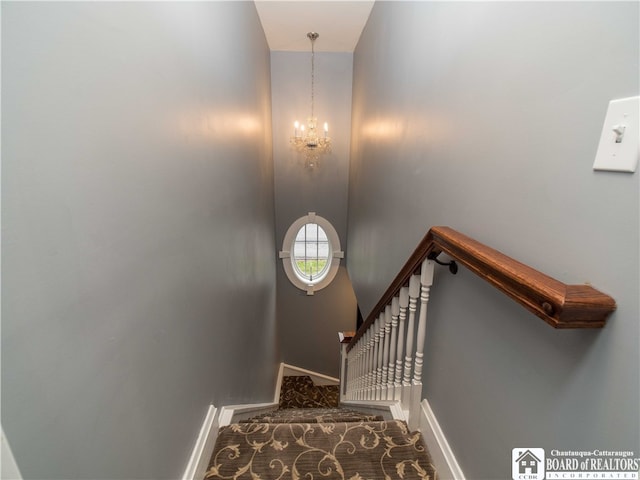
(313, 415)
(346, 450)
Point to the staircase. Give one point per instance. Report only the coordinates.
(309, 437)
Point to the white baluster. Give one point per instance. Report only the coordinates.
(385, 358)
(414, 292)
(354, 371)
(393, 344)
(383, 336)
(379, 345)
(363, 364)
(354, 377)
(371, 382)
(403, 303)
(426, 280)
(349, 366)
(372, 375)
(366, 379)
(358, 373)
(367, 363)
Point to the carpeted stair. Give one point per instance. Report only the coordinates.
(294, 443)
(313, 415)
(301, 392)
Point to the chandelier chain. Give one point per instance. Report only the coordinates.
(313, 75)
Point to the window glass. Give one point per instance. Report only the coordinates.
(311, 252)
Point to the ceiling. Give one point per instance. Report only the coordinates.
(339, 23)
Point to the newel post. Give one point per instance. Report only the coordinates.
(414, 293)
(426, 281)
(344, 382)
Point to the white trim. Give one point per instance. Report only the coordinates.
(202, 450)
(276, 394)
(232, 413)
(318, 378)
(443, 458)
(8, 466)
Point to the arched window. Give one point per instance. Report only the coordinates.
(311, 253)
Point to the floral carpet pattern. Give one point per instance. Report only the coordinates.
(301, 392)
(313, 415)
(346, 450)
(310, 438)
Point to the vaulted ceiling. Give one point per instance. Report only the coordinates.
(339, 23)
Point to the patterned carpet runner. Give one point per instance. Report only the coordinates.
(313, 415)
(301, 392)
(343, 450)
(325, 442)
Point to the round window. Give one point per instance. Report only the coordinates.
(311, 253)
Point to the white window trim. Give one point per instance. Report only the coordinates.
(335, 253)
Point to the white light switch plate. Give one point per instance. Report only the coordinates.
(619, 148)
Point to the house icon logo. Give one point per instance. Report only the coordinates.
(527, 463)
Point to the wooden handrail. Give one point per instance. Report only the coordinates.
(558, 304)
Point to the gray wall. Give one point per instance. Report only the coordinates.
(138, 231)
(486, 117)
(308, 325)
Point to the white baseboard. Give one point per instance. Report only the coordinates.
(318, 378)
(276, 394)
(234, 413)
(202, 450)
(443, 458)
(8, 467)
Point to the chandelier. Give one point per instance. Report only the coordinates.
(307, 139)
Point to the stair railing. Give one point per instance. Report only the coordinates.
(384, 360)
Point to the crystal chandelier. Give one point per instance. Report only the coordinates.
(306, 138)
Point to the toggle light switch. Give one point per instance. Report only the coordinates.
(619, 148)
(619, 131)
